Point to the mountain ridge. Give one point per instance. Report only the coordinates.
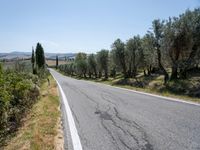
(25, 55)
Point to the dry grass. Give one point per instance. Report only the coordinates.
(40, 127)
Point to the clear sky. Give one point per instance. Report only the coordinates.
(79, 25)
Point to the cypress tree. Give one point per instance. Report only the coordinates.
(1, 69)
(39, 54)
(33, 59)
(56, 61)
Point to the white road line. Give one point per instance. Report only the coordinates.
(74, 133)
(148, 94)
(159, 96)
(139, 92)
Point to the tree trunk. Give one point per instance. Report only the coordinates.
(100, 74)
(183, 72)
(33, 68)
(106, 74)
(123, 65)
(166, 78)
(95, 73)
(174, 74)
(124, 70)
(150, 68)
(125, 73)
(196, 66)
(134, 71)
(90, 74)
(145, 74)
(130, 69)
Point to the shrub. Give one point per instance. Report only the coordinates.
(19, 91)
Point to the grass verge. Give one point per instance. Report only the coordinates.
(155, 86)
(41, 127)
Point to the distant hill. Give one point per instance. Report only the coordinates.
(26, 55)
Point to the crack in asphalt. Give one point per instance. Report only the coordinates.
(147, 145)
(105, 99)
(114, 96)
(114, 141)
(130, 123)
(126, 145)
(141, 141)
(87, 96)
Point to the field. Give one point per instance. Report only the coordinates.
(24, 65)
(53, 62)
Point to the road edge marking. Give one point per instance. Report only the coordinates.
(158, 96)
(139, 92)
(73, 131)
(145, 93)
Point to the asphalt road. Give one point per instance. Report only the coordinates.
(108, 118)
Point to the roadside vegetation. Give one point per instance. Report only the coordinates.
(165, 60)
(41, 125)
(22, 86)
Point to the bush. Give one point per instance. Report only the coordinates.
(19, 91)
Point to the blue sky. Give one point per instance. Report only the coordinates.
(79, 25)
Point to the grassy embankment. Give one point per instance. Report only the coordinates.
(41, 127)
(180, 89)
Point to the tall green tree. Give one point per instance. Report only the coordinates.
(40, 57)
(150, 56)
(56, 61)
(1, 69)
(102, 58)
(92, 65)
(119, 55)
(181, 39)
(33, 60)
(134, 55)
(174, 40)
(81, 64)
(158, 35)
(191, 21)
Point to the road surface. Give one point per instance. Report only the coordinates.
(109, 118)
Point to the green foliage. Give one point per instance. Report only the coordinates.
(92, 65)
(56, 61)
(171, 48)
(119, 55)
(1, 69)
(33, 61)
(81, 64)
(181, 42)
(40, 58)
(40, 69)
(158, 35)
(134, 55)
(149, 60)
(18, 92)
(68, 69)
(102, 59)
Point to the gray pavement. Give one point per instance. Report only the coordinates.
(108, 118)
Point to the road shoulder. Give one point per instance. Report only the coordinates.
(41, 128)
